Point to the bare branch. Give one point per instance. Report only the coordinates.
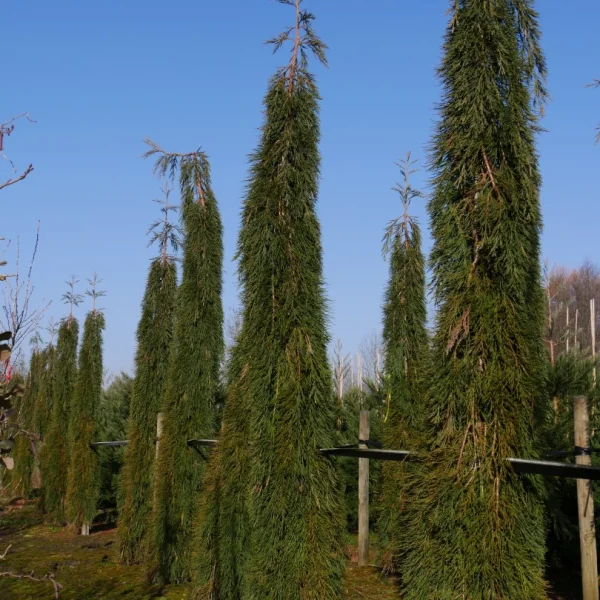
(20, 317)
(17, 179)
(49, 577)
(5, 130)
(5, 126)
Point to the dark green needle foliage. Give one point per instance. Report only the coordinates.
(43, 399)
(54, 458)
(154, 336)
(83, 476)
(112, 422)
(476, 528)
(223, 523)
(193, 371)
(280, 400)
(23, 454)
(405, 352)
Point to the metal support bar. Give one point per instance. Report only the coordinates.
(520, 465)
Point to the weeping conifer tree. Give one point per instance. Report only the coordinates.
(405, 352)
(193, 371)
(477, 528)
(280, 397)
(23, 455)
(43, 399)
(154, 335)
(83, 477)
(54, 457)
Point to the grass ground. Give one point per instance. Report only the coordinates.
(88, 567)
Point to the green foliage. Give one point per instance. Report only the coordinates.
(113, 415)
(223, 521)
(571, 375)
(154, 336)
(22, 452)
(43, 400)
(193, 372)
(476, 528)
(83, 478)
(405, 352)
(355, 400)
(279, 529)
(54, 459)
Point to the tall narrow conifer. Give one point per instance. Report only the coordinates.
(154, 335)
(193, 374)
(43, 400)
(477, 528)
(405, 351)
(83, 477)
(287, 541)
(23, 455)
(54, 458)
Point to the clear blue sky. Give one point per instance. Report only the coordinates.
(101, 76)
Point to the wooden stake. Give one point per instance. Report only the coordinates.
(159, 430)
(363, 493)
(85, 529)
(585, 504)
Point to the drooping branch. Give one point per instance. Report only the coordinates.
(303, 39)
(193, 168)
(400, 228)
(163, 231)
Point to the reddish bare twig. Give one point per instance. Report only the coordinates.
(16, 179)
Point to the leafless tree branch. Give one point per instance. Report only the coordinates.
(49, 577)
(20, 317)
(5, 130)
(16, 179)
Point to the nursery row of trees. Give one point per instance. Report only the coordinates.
(263, 515)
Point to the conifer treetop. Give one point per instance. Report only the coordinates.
(163, 231)
(529, 36)
(401, 227)
(94, 293)
(304, 40)
(52, 329)
(70, 297)
(193, 167)
(36, 341)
